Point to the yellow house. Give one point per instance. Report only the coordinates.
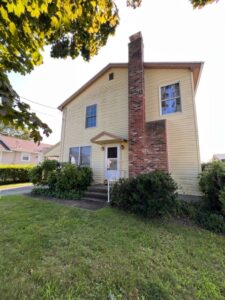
(134, 118)
(53, 152)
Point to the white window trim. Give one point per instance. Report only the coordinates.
(25, 154)
(85, 114)
(160, 100)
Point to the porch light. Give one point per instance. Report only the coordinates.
(122, 147)
(103, 148)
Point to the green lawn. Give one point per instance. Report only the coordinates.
(50, 251)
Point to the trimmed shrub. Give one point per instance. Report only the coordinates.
(35, 175)
(14, 173)
(65, 181)
(212, 183)
(148, 195)
(186, 209)
(39, 174)
(209, 221)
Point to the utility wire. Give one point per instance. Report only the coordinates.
(39, 112)
(38, 103)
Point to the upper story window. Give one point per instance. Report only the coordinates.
(80, 156)
(170, 98)
(25, 157)
(91, 113)
(111, 76)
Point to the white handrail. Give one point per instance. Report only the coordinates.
(122, 174)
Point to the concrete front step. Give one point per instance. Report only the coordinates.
(90, 194)
(96, 193)
(98, 189)
(89, 199)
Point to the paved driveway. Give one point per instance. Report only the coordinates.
(16, 191)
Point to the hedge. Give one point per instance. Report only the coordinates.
(14, 173)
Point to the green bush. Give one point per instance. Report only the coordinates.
(212, 183)
(35, 175)
(149, 195)
(186, 209)
(222, 200)
(209, 221)
(46, 192)
(64, 181)
(39, 174)
(14, 173)
(199, 214)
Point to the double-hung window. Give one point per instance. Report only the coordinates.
(170, 99)
(91, 114)
(80, 156)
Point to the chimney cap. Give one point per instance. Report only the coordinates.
(136, 36)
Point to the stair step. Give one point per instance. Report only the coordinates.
(89, 199)
(96, 195)
(98, 189)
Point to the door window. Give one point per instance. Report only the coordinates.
(112, 158)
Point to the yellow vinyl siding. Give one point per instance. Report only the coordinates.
(111, 97)
(182, 136)
(53, 152)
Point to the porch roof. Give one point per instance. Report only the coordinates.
(105, 137)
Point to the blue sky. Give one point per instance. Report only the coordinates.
(172, 31)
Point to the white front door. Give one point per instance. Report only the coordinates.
(112, 163)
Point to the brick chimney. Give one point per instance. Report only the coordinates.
(136, 107)
(147, 141)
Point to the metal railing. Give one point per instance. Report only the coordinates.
(114, 178)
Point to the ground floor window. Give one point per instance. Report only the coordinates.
(81, 156)
(25, 157)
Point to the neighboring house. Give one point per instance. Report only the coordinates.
(18, 151)
(219, 157)
(53, 152)
(135, 118)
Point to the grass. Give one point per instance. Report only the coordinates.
(50, 251)
(14, 185)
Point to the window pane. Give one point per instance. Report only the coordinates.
(85, 156)
(91, 116)
(170, 99)
(177, 90)
(112, 152)
(163, 93)
(25, 157)
(112, 164)
(74, 155)
(91, 122)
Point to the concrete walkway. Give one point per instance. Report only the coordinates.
(16, 191)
